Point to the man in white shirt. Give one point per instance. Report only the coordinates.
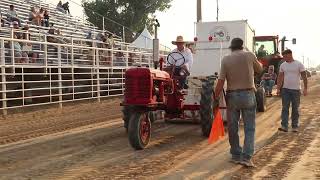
(187, 54)
(290, 73)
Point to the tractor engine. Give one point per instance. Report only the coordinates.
(145, 87)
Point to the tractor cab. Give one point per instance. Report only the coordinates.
(266, 49)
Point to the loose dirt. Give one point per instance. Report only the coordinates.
(88, 141)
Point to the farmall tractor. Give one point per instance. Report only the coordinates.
(150, 90)
(271, 55)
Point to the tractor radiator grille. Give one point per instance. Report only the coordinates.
(137, 88)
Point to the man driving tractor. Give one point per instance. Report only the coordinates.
(183, 70)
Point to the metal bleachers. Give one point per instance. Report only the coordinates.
(71, 68)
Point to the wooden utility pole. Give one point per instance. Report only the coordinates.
(217, 10)
(199, 11)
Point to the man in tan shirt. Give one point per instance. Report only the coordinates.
(238, 70)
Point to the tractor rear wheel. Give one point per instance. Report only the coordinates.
(261, 99)
(207, 106)
(139, 130)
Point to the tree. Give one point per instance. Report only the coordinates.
(133, 14)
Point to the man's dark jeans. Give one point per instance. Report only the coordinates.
(244, 103)
(290, 96)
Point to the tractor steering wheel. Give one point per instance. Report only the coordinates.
(176, 58)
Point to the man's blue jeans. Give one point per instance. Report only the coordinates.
(290, 96)
(268, 85)
(244, 103)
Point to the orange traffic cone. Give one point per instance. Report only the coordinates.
(217, 129)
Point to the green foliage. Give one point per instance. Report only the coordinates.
(134, 14)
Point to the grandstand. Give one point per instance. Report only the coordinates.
(61, 63)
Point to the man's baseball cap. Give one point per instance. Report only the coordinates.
(236, 43)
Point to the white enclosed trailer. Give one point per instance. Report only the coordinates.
(211, 44)
(209, 53)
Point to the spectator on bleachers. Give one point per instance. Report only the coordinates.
(50, 36)
(19, 55)
(33, 16)
(131, 58)
(110, 45)
(12, 15)
(27, 47)
(45, 19)
(65, 6)
(25, 32)
(89, 42)
(110, 41)
(101, 37)
(59, 7)
(16, 30)
(40, 16)
(1, 20)
(89, 38)
(104, 54)
(120, 58)
(53, 37)
(61, 38)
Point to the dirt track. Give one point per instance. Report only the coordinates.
(88, 141)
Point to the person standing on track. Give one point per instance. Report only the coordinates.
(290, 73)
(238, 69)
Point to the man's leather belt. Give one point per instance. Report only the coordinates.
(240, 90)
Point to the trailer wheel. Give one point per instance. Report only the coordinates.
(139, 130)
(207, 106)
(261, 99)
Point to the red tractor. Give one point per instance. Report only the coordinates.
(150, 90)
(271, 54)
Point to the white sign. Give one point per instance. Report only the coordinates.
(219, 33)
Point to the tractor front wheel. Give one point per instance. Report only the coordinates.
(128, 111)
(139, 130)
(126, 114)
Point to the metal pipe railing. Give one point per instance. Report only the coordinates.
(64, 72)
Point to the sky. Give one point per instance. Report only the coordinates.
(291, 18)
